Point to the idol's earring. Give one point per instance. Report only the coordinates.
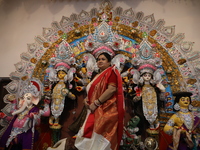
(152, 81)
(65, 78)
(141, 80)
(190, 107)
(177, 106)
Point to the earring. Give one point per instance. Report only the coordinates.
(153, 82)
(65, 78)
(177, 106)
(141, 80)
(190, 107)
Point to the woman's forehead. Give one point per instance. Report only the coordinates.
(102, 55)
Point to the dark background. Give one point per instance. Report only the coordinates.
(3, 82)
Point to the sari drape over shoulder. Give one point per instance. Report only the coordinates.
(104, 127)
(185, 141)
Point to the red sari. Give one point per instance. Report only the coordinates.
(104, 127)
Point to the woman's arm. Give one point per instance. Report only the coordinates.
(108, 93)
(104, 97)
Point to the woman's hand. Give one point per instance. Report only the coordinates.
(92, 107)
(86, 102)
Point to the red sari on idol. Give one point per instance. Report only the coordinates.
(103, 129)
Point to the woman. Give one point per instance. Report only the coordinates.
(103, 126)
(183, 124)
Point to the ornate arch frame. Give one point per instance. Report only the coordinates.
(180, 63)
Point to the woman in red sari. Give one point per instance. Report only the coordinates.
(103, 126)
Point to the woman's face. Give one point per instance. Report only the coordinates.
(147, 76)
(61, 74)
(102, 62)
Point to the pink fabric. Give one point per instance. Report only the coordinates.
(147, 66)
(62, 64)
(19, 123)
(104, 47)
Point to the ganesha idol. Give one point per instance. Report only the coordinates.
(25, 115)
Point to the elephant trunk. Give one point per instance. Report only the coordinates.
(21, 109)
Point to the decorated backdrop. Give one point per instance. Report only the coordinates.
(74, 38)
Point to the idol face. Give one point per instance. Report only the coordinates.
(28, 98)
(184, 102)
(61, 74)
(147, 76)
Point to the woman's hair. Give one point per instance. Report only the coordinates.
(106, 55)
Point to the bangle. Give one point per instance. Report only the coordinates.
(96, 104)
(99, 101)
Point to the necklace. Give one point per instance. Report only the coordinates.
(184, 110)
(188, 119)
(24, 113)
